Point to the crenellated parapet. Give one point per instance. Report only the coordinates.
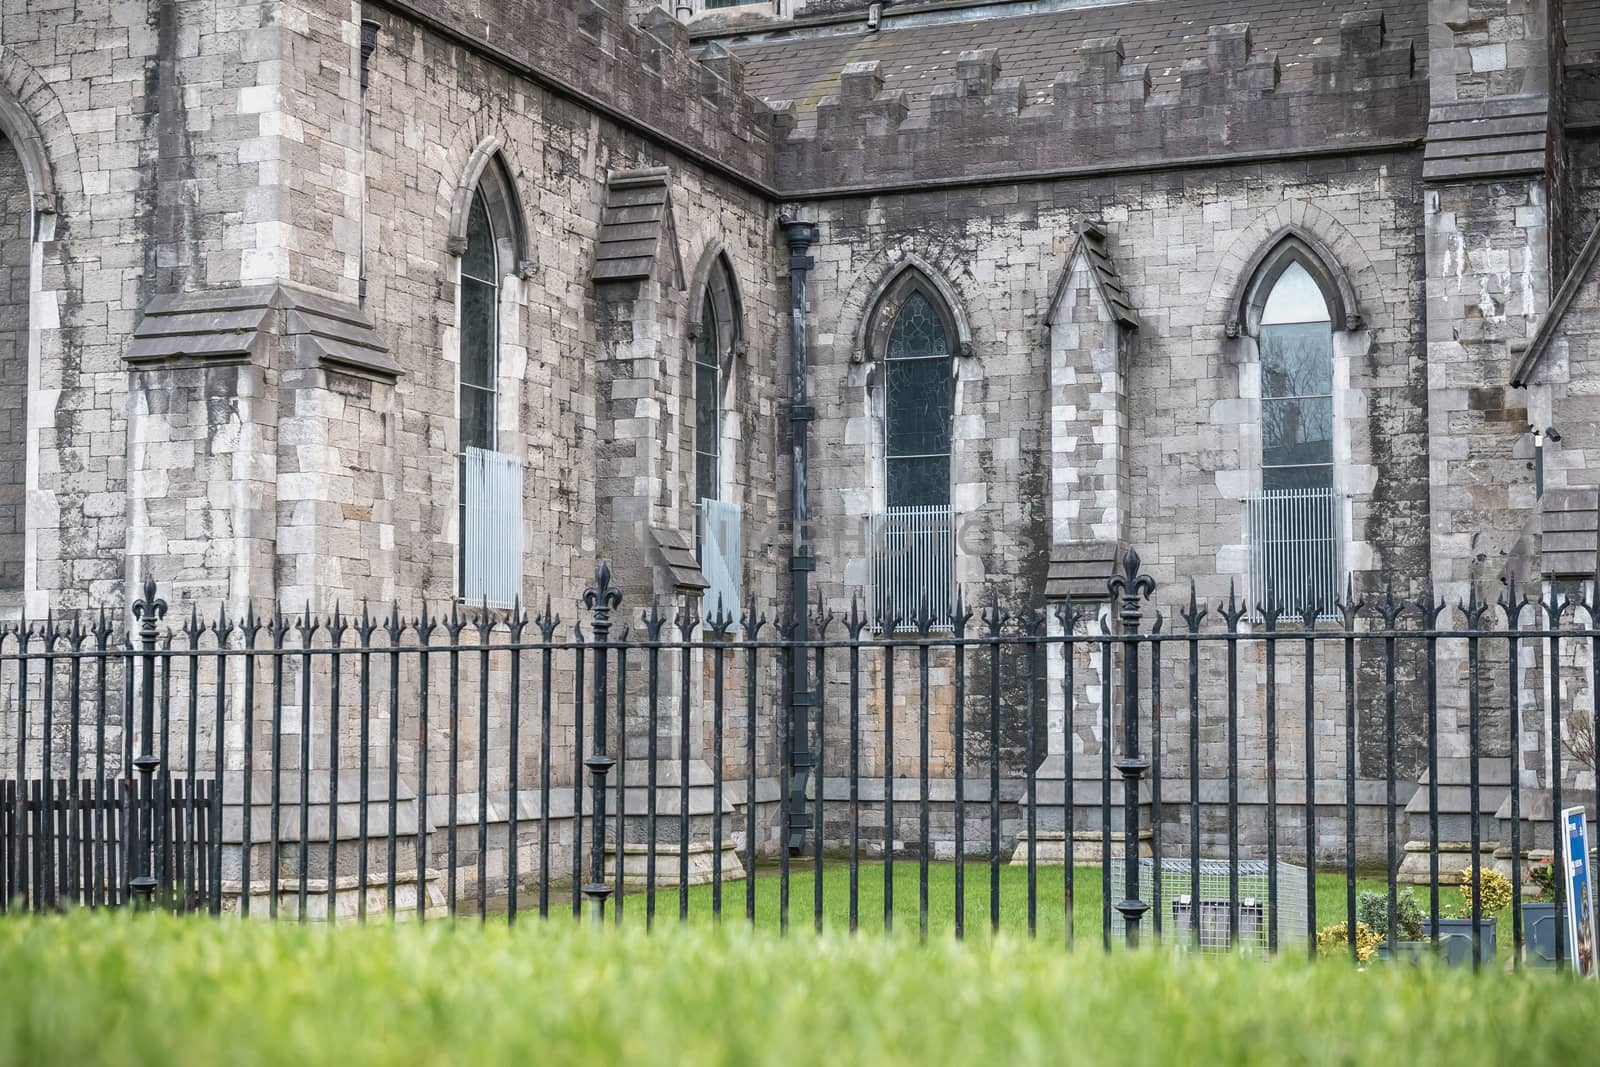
(1363, 91)
(644, 72)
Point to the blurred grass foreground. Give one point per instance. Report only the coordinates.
(119, 989)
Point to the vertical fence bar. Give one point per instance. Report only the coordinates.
(1350, 608)
(46, 883)
(518, 624)
(308, 629)
(687, 623)
(602, 599)
(1390, 611)
(1511, 606)
(719, 638)
(622, 771)
(818, 777)
(857, 623)
(579, 713)
(958, 629)
(1308, 618)
(1269, 619)
(752, 635)
(1130, 585)
(336, 629)
(222, 628)
(1156, 868)
(1430, 614)
(485, 628)
(394, 629)
(424, 626)
(75, 638)
(1032, 623)
(453, 630)
(924, 623)
(1192, 617)
(890, 625)
(995, 620)
(99, 878)
(1069, 627)
(1555, 605)
(653, 625)
(1231, 615)
(364, 631)
(1475, 611)
(149, 610)
(547, 627)
(191, 754)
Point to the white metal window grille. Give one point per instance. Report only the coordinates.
(492, 539)
(1295, 550)
(720, 543)
(913, 563)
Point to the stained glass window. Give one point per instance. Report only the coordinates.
(1296, 345)
(707, 403)
(480, 309)
(917, 399)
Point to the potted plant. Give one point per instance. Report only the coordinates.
(1539, 917)
(1455, 933)
(1335, 941)
(1372, 911)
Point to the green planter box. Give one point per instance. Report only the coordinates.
(1455, 939)
(1539, 933)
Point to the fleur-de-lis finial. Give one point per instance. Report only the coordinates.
(602, 598)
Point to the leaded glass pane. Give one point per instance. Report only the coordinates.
(477, 333)
(921, 480)
(918, 330)
(918, 401)
(1296, 432)
(479, 260)
(1297, 360)
(1318, 476)
(477, 417)
(1294, 298)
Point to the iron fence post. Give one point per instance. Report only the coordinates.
(1130, 585)
(602, 598)
(148, 610)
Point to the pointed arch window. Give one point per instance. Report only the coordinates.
(708, 404)
(489, 494)
(1295, 531)
(917, 406)
(1296, 344)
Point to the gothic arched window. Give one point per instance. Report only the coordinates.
(708, 405)
(480, 302)
(917, 405)
(1296, 343)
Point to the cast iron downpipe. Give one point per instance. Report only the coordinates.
(800, 237)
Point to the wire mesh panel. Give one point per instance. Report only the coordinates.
(913, 562)
(493, 537)
(1294, 548)
(719, 559)
(1181, 903)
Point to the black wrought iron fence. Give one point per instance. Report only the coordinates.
(1209, 766)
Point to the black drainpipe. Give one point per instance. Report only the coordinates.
(800, 237)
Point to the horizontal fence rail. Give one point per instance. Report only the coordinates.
(1204, 768)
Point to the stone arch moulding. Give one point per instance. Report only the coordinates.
(911, 272)
(715, 274)
(1291, 244)
(27, 108)
(486, 166)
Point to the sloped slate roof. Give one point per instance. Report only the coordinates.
(1582, 19)
(235, 326)
(1091, 244)
(637, 227)
(1578, 274)
(1037, 47)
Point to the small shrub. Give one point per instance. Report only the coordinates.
(1494, 893)
(1335, 940)
(1543, 877)
(1372, 909)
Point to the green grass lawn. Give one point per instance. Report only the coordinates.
(130, 991)
(1051, 916)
